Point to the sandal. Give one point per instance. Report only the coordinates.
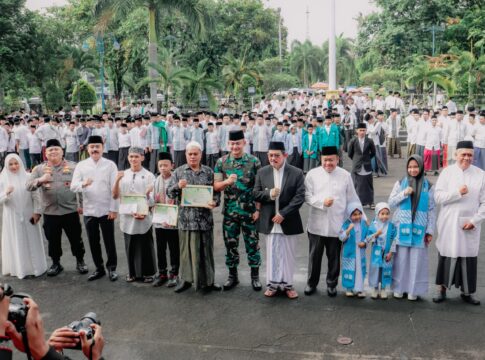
(270, 292)
(291, 293)
(148, 279)
(129, 278)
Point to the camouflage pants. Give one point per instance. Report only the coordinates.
(232, 226)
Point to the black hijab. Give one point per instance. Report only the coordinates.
(416, 182)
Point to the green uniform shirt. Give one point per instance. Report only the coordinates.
(238, 198)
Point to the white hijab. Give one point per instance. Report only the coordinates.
(20, 199)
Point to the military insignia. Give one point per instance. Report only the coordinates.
(66, 170)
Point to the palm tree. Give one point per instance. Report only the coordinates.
(306, 61)
(346, 59)
(200, 83)
(421, 74)
(236, 71)
(191, 9)
(469, 70)
(170, 80)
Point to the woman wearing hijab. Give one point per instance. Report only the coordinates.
(415, 215)
(22, 244)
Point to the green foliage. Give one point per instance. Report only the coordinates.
(84, 95)
(236, 71)
(205, 47)
(400, 36)
(275, 81)
(306, 62)
(382, 78)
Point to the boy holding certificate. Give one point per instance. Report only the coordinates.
(165, 234)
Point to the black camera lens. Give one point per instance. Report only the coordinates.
(85, 325)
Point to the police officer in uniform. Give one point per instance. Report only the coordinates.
(59, 204)
(235, 174)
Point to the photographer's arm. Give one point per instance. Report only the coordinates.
(35, 334)
(5, 351)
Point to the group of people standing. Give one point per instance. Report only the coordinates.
(266, 167)
(257, 200)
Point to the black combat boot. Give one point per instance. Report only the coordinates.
(255, 283)
(232, 279)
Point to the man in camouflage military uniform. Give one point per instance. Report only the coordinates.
(59, 206)
(235, 174)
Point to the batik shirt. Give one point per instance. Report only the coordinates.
(192, 218)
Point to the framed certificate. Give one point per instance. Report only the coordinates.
(196, 196)
(131, 204)
(164, 213)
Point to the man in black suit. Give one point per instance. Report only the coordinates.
(361, 150)
(280, 189)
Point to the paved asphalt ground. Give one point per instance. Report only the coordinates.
(141, 322)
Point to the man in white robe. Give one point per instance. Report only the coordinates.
(328, 190)
(460, 190)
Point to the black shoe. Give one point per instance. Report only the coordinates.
(470, 299)
(55, 269)
(160, 280)
(255, 283)
(332, 291)
(231, 283)
(182, 286)
(113, 275)
(81, 267)
(210, 288)
(232, 279)
(310, 290)
(172, 281)
(440, 297)
(97, 274)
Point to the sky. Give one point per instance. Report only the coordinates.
(295, 17)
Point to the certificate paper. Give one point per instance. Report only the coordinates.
(163, 213)
(196, 196)
(131, 204)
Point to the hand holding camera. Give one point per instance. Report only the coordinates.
(20, 320)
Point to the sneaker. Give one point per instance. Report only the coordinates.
(374, 294)
(55, 269)
(172, 281)
(398, 295)
(162, 279)
(349, 294)
(81, 267)
(384, 294)
(412, 297)
(361, 295)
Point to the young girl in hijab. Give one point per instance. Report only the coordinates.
(413, 199)
(382, 235)
(22, 244)
(353, 234)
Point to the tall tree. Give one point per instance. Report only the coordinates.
(421, 75)
(191, 9)
(236, 71)
(346, 59)
(469, 73)
(200, 83)
(306, 61)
